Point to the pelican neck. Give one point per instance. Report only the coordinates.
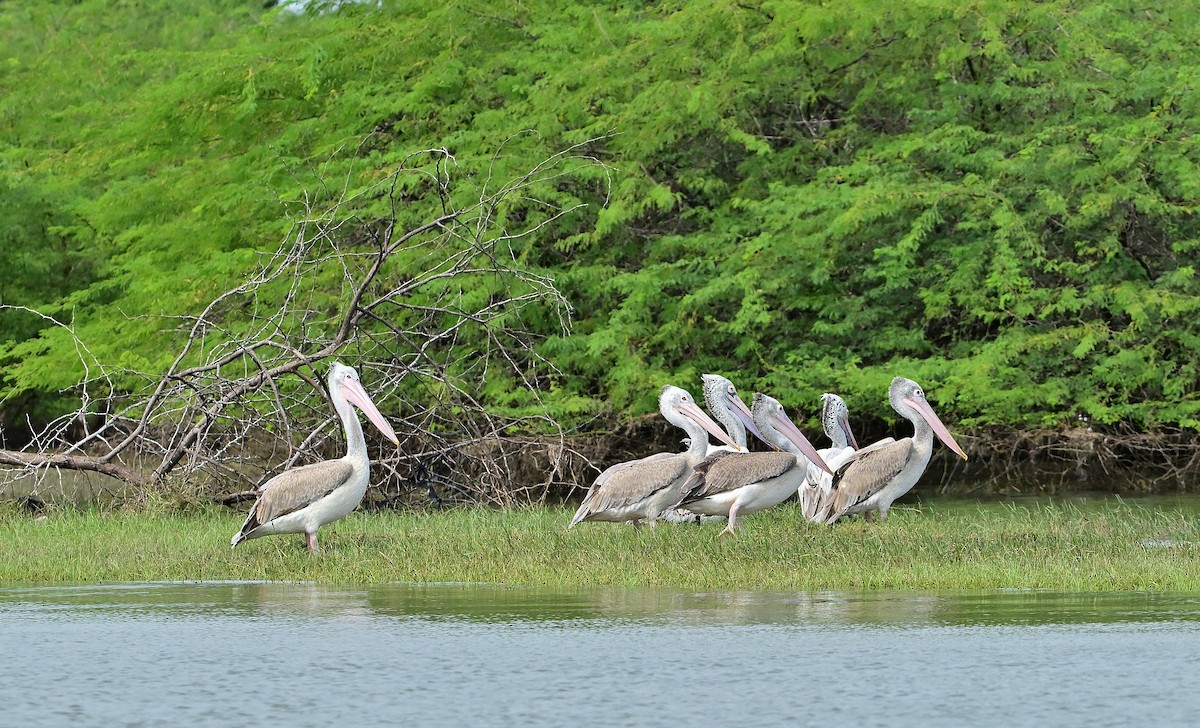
(356, 444)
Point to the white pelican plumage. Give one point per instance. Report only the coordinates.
(303, 499)
(872, 478)
(731, 412)
(835, 419)
(642, 489)
(731, 484)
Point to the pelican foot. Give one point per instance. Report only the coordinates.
(310, 539)
(730, 528)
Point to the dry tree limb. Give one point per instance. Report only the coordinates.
(73, 462)
(242, 397)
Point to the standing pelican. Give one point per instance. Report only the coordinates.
(835, 418)
(729, 484)
(872, 478)
(303, 499)
(728, 409)
(642, 489)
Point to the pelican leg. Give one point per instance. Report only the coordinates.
(882, 514)
(310, 538)
(869, 516)
(637, 524)
(733, 522)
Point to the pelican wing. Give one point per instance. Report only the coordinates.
(811, 499)
(864, 474)
(730, 471)
(294, 489)
(585, 507)
(835, 458)
(873, 446)
(602, 478)
(626, 484)
(816, 481)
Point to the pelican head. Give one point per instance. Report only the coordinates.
(774, 423)
(728, 408)
(835, 418)
(907, 398)
(344, 385)
(678, 407)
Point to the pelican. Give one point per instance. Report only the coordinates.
(303, 499)
(642, 489)
(871, 479)
(729, 484)
(835, 418)
(728, 409)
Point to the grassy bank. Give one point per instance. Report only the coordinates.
(1115, 545)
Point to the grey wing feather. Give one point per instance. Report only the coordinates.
(294, 489)
(625, 484)
(865, 474)
(733, 471)
(603, 477)
(818, 484)
(696, 480)
(873, 446)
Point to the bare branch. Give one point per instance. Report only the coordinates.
(430, 311)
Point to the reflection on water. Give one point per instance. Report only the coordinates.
(490, 603)
(452, 654)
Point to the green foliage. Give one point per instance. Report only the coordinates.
(995, 198)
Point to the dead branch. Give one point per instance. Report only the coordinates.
(73, 462)
(430, 313)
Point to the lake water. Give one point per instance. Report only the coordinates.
(219, 654)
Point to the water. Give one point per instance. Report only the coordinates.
(256, 653)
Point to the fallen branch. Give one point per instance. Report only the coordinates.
(242, 397)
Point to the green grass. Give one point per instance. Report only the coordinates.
(1111, 546)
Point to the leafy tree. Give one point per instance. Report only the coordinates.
(995, 198)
